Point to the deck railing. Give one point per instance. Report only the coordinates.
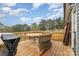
(56, 34)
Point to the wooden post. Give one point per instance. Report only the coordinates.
(67, 37)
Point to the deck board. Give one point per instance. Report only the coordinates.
(57, 49)
(26, 48)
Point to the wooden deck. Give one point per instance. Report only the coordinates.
(57, 49)
(27, 48)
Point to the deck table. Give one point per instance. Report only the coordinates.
(42, 40)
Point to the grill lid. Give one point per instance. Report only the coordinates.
(9, 36)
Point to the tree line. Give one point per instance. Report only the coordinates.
(43, 25)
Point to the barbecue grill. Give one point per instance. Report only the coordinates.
(11, 42)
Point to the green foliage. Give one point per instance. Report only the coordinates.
(44, 24)
(34, 27)
(20, 27)
(50, 24)
(4, 28)
(59, 23)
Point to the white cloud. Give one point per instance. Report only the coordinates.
(55, 11)
(25, 19)
(55, 16)
(19, 11)
(37, 5)
(37, 19)
(31, 20)
(9, 4)
(15, 12)
(55, 5)
(48, 14)
(6, 9)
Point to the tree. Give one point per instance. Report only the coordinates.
(34, 26)
(50, 24)
(4, 28)
(42, 25)
(20, 27)
(59, 24)
(62, 24)
(26, 27)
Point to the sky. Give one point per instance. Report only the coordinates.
(28, 13)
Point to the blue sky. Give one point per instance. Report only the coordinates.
(28, 13)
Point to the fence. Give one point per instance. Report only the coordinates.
(56, 34)
(23, 34)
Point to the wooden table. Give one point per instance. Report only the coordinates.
(33, 36)
(42, 40)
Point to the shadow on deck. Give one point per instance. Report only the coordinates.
(57, 49)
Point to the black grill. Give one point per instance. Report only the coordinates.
(11, 42)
